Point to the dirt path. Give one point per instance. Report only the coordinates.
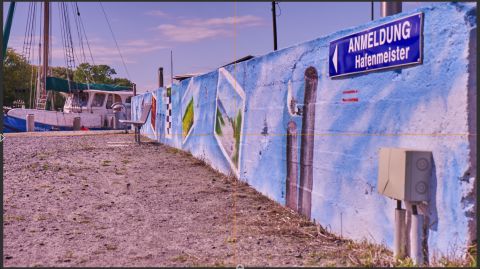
(85, 201)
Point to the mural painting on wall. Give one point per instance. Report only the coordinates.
(168, 113)
(230, 103)
(188, 112)
(306, 146)
(153, 116)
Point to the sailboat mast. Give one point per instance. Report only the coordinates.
(46, 35)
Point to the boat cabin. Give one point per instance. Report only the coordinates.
(97, 102)
(93, 100)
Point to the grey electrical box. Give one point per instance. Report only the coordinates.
(404, 174)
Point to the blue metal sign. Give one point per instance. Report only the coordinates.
(392, 44)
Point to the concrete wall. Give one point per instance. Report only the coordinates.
(436, 99)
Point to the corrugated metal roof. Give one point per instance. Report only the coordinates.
(246, 58)
(185, 76)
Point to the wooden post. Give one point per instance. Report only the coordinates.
(307, 143)
(77, 123)
(30, 123)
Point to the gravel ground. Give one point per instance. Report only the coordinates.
(102, 200)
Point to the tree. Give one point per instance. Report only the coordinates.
(100, 74)
(61, 72)
(17, 73)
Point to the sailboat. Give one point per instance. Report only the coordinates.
(95, 104)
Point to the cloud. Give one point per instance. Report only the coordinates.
(103, 51)
(137, 42)
(193, 30)
(156, 13)
(249, 20)
(190, 34)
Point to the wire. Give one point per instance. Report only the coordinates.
(115, 42)
(81, 24)
(278, 4)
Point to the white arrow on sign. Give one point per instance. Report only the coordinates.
(1, 137)
(334, 59)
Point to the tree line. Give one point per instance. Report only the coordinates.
(19, 73)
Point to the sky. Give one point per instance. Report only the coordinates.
(200, 35)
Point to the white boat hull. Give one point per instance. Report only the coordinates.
(60, 119)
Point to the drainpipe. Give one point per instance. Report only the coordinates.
(390, 8)
(307, 143)
(292, 166)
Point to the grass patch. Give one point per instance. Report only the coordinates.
(125, 161)
(81, 261)
(44, 186)
(179, 258)
(84, 221)
(40, 218)
(80, 162)
(173, 150)
(118, 173)
(42, 157)
(111, 247)
(69, 255)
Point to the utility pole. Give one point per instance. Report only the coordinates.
(160, 77)
(390, 8)
(372, 9)
(274, 16)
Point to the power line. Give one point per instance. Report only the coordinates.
(115, 41)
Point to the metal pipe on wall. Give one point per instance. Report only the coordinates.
(390, 8)
(416, 237)
(400, 233)
(307, 143)
(292, 166)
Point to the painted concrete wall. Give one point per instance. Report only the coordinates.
(436, 99)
